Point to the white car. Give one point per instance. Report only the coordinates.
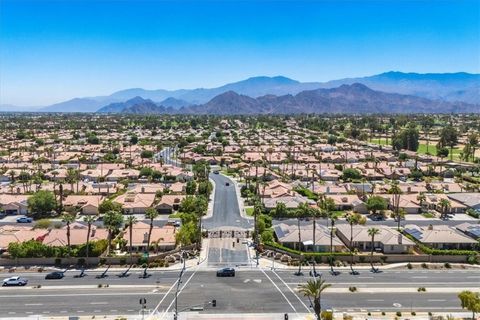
(14, 281)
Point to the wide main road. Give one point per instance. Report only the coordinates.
(250, 291)
(226, 210)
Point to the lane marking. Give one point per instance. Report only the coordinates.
(179, 292)
(288, 301)
(34, 304)
(166, 294)
(377, 300)
(308, 310)
(98, 302)
(437, 300)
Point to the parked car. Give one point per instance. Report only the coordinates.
(14, 281)
(377, 217)
(226, 272)
(55, 275)
(24, 220)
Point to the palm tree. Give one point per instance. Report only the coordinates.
(113, 221)
(327, 206)
(301, 212)
(354, 219)
(89, 220)
(150, 213)
(421, 200)
(313, 290)
(68, 218)
(372, 232)
(131, 220)
(444, 207)
(396, 192)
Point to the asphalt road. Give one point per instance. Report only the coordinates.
(250, 291)
(226, 211)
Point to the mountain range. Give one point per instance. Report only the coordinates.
(443, 88)
(354, 98)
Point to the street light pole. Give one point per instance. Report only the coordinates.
(178, 286)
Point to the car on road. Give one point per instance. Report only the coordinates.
(24, 220)
(227, 183)
(226, 272)
(14, 281)
(215, 172)
(377, 217)
(55, 275)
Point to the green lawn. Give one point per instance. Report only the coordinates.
(249, 211)
(175, 215)
(382, 142)
(422, 148)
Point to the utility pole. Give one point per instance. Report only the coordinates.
(175, 316)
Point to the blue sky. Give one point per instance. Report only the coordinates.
(56, 50)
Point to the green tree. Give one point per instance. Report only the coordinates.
(376, 203)
(131, 220)
(89, 220)
(470, 301)
(113, 221)
(68, 218)
(41, 203)
(407, 138)
(191, 187)
(372, 232)
(448, 138)
(350, 174)
(445, 206)
(109, 205)
(354, 219)
(150, 213)
(313, 290)
(133, 139)
(396, 192)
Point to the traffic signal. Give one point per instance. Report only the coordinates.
(214, 303)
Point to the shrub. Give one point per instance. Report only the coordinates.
(399, 314)
(352, 289)
(447, 265)
(102, 261)
(424, 265)
(421, 289)
(43, 224)
(122, 261)
(413, 313)
(326, 315)
(81, 262)
(383, 313)
(409, 265)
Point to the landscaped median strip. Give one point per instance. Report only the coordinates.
(395, 290)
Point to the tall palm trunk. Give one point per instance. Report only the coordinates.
(130, 242)
(299, 245)
(332, 224)
(88, 243)
(68, 237)
(313, 245)
(149, 235)
(351, 248)
(371, 253)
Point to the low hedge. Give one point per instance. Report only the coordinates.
(306, 254)
(438, 252)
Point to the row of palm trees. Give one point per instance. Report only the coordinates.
(326, 210)
(113, 220)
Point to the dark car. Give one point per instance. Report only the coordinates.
(215, 172)
(227, 183)
(55, 275)
(377, 218)
(226, 272)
